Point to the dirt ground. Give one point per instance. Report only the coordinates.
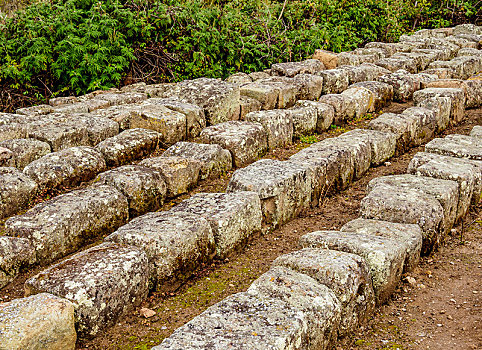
(409, 321)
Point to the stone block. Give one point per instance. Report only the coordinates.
(303, 293)
(310, 86)
(278, 125)
(6, 157)
(360, 150)
(266, 94)
(408, 235)
(383, 256)
(472, 89)
(243, 321)
(180, 174)
(382, 92)
(407, 207)
(334, 81)
(214, 159)
(445, 191)
(66, 168)
(460, 146)
(15, 254)
(248, 105)
(383, 144)
(115, 98)
(476, 132)
(41, 321)
(346, 274)
(404, 85)
(144, 188)
(175, 244)
(59, 134)
(328, 58)
(233, 217)
(325, 113)
(305, 120)
(344, 106)
(468, 175)
(283, 187)
(402, 126)
(25, 151)
(290, 69)
(426, 124)
(457, 96)
(17, 190)
(441, 106)
(259, 75)
(394, 64)
(103, 282)
(129, 145)
(239, 78)
(246, 141)
(62, 225)
(363, 100)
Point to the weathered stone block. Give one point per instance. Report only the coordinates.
(363, 100)
(408, 235)
(16, 191)
(41, 321)
(6, 157)
(347, 275)
(476, 131)
(334, 81)
(215, 160)
(394, 64)
(59, 134)
(283, 187)
(446, 192)
(61, 225)
(404, 84)
(248, 105)
(472, 89)
(128, 145)
(143, 187)
(383, 256)
(426, 124)
(360, 149)
(303, 293)
(66, 168)
(310, 86)
(25, 151)
(290, 69)
(382, 92)
(328, 58)
(175, 243)
(468, 175)
(408, 207)
(278, 125)
(115, 98)
(325, 113)
(305, 119)
(239, 78)
(180, 174)
(259, 75)
(402, 126)
(441, 106)
(459, 146)
(243, 321)
(15, 254)
(246, 141)
(233, 216)
(103, 282)
(266, 94)
(343, 105)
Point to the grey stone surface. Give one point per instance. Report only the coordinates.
(35, 110)
(71, 108)
(334, 81)
(283, 187)
(103, 282)
(441, 106)
(144, 188)
(171, 125)
(290, 69)
(476, 131)
(311, 86)
(303, 293)
(248, 105)
(128, 145)
(215, 160)
(234, 217)
(459, 146)
(457, 95)
(346, 274)
(426, 124)
(15, 254)
(259, 75)
(288, 90)
(325, 113)
(277, 123)
(266, 94)
(344, 106)
(195, 117)
(468, 175)
(402, 126)
(445, 191)
(383, 144)
(243, 321)
(384, 256)
(408, 235)
(25, 151)
(363, 100)
(360, 150)
(118, 114)
(58, 133)
(59, 101)
(239, 78)
(66, 168)
(246, 141)
(180, 174)
(114, 98)
(471, 87)
(409, 207)
(394, 64)
(382, 92)
(175, 243)
(61, 225)
(38, 322)
(404, 84)
(16, 191)
(6, 157)
(305, 120)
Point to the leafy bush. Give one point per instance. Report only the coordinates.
(75, 46)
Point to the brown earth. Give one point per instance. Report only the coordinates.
(397, 325)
